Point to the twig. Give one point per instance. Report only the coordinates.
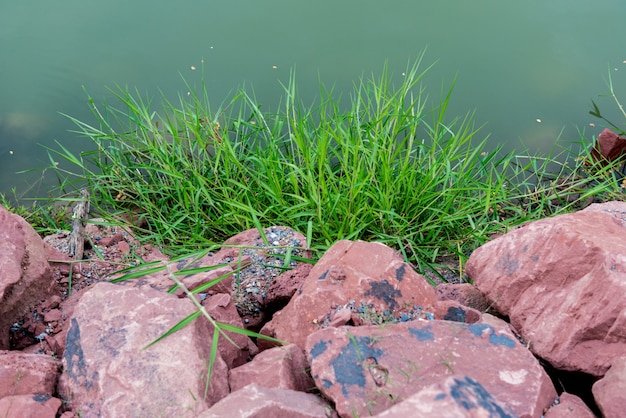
(77, 236)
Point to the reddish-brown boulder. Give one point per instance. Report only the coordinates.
(455, 397)
(27, 374)
(368, 279)
(107, 367)
(610, 391)
(279, 367)
(254, 401)
(562, 283)
(26, 276)
(364, 370)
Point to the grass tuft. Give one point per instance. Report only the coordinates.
(385, 165)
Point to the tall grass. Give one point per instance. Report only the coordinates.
(385, 164)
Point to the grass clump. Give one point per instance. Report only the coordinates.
(384, 164)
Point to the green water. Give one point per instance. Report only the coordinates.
(515, 62)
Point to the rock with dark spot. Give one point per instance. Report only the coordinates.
(454, 397)
(364, 370)
(562, 283)
(465, 294)
(360, 276)
(453, 311)
(108, 367)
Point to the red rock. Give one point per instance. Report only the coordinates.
(455, 397)
(254, 401)
(562, 283)
(222, 309)
(364, 370)
(350, 274)
(610, 391)
(279, 367)
(123, 247)
(451, 310)
(107, 367)
(609, 146)
(20, 406)
(52, 315)
(569, 406)
(26, 276)
(285, 286)
(63, 263)
(465, 294)
(224, 274)
(25, 374)
(615, 209)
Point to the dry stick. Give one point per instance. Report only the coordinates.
(77, 236)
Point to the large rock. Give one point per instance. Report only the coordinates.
(25, 275)
(365, 370)
(279, 367)
(562, 283)
(353, 282)
(27, 374)
(610, 391)
(256, 401)
(109, 370)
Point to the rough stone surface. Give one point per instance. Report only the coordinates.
(107, 370)
(465, 294)
(455, 397)
(285, 286)
(279, 367)
(24, 374)
(562, 283)
(36, 406)
(364, 369)
(369, 279)
(260, 402)
(26, 276)
(451, 310)
(221, 308)
(610, 391)
(569, 406)
(218, 271)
